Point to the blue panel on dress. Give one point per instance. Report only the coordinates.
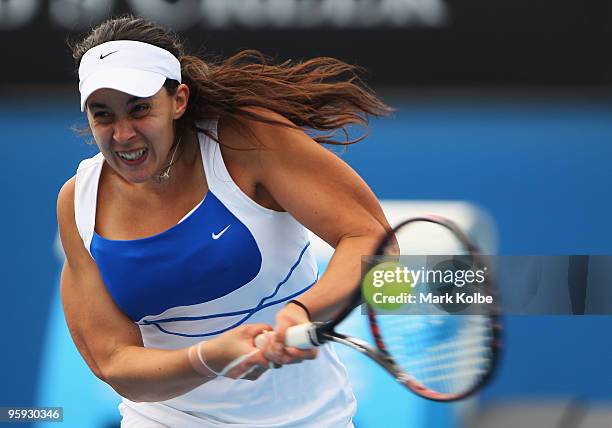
(184, 265)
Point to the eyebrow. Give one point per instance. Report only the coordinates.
(132, 100)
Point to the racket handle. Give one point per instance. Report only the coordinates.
(301, 336)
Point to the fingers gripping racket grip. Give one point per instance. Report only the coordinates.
(303, 336)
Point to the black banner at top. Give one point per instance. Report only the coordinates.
(550, 42)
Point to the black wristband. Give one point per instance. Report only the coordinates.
(303, 306)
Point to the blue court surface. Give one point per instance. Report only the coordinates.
(540, 168)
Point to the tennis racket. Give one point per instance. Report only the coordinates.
(439, 354)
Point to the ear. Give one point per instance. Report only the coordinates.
(181, 98)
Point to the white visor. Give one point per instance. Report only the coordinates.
(136, 68)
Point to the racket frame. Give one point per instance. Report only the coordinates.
(325, 332)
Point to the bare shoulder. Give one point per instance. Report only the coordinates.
(247, 145)
(65, 199)
(273, 137)
(71, 241)
(268, 114)
(267, 134)
(245, 140)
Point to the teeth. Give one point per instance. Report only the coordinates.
(137, 154)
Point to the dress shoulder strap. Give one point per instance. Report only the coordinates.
(86, 196)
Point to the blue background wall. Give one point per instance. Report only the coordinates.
(542, 168)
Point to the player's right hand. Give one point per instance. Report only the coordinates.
(223, 350)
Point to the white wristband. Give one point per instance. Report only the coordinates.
(237, 361)
(199, 365)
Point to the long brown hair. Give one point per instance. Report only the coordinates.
(321, 94)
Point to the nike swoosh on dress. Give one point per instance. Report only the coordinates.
(218, 235)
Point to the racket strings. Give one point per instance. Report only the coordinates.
(444, 353)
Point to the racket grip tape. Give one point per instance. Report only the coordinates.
(303, 336)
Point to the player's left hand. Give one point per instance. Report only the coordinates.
(287, 317)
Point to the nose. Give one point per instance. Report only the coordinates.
(123, 131)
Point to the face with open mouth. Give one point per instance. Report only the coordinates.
(135, 135)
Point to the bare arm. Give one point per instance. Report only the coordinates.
(111, 343)
(323, 193)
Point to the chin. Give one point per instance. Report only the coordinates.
(136, 177)
(139, 179)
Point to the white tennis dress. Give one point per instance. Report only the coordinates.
(229, 261)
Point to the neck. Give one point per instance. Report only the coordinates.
(178, 169)
(165, 174)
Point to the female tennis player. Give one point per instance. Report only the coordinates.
(186, 236)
